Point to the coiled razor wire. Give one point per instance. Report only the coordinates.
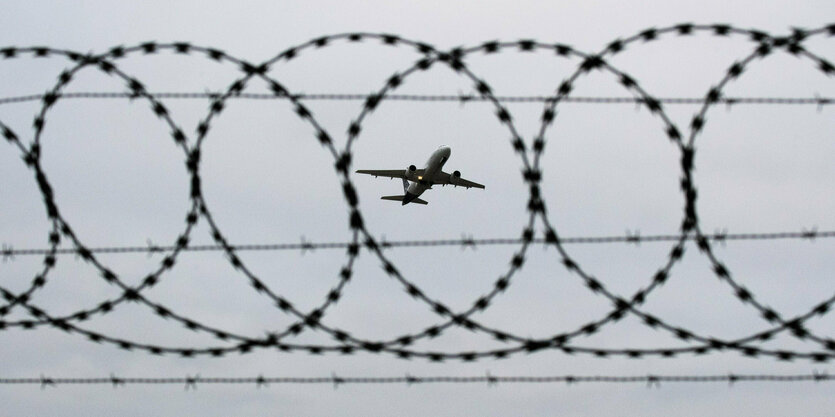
(362, 238)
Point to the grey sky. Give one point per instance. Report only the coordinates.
(119, 180)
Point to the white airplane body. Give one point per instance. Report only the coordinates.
(416, 181)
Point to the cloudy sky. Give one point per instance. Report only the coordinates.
(608, 170)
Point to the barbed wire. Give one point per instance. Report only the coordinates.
(192, 381)
(8, 252)
(461, 98)
(529, 153)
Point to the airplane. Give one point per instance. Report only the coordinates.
(422, 179)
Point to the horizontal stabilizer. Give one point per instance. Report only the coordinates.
(400, 198)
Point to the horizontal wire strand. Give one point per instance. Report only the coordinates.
(463, 98)
(193, 381)
(9, 251)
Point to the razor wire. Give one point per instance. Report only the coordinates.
(362, 238)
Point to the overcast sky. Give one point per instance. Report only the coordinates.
(608, 170)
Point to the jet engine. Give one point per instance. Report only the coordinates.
(410, 172)
(454, 177)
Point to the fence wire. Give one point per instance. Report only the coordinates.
(820, 102)
(191, 382)
(8, 252)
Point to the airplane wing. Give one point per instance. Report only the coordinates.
(455, 179)
(390, 173)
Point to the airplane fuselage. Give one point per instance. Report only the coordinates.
(416, 181)
(424, 182)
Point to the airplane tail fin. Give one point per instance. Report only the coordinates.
(400, 198)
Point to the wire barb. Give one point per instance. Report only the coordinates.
(7, 252)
